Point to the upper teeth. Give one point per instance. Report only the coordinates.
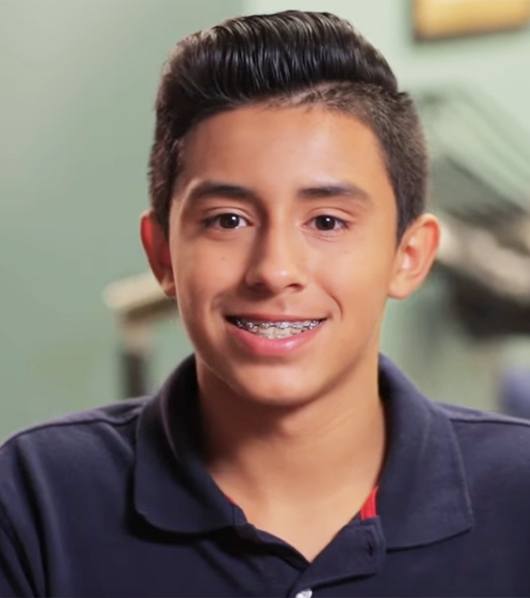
(285, 324)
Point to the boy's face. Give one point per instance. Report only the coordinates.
(282, 251)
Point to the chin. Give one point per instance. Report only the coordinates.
(277, 393)
(266, 384)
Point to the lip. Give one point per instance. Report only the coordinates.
(259, 346)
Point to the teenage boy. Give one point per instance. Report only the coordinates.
(286, 457)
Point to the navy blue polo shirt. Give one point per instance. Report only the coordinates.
(116, 502)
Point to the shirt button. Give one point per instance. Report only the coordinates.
(304, 594)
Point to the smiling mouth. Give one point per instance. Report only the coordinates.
(275, 329)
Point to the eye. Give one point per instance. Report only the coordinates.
(227, 220)
(329, 223)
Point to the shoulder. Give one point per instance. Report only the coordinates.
(61, 482)
(75, 427)
(477, 423)
(83, 446)
(495, 448)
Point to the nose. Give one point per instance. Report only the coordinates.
(277, 261)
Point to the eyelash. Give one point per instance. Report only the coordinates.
(343, 224)
(213, 220)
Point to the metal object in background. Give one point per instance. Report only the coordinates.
(137, 303)
(514, 391)
(481, 192)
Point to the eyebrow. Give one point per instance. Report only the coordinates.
(209, 188)
(335, 190)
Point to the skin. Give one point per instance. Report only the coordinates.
(300, 436)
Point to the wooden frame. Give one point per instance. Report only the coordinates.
(451, 18)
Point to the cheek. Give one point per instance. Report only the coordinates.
(358, 278)
(202, 276)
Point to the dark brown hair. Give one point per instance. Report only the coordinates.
(287, 58)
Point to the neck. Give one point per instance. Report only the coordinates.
(324, 449)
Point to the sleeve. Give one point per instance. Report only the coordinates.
(13, 579)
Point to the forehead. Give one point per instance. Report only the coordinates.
(270, 148)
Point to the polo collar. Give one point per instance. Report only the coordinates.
(172, 489)
(422, 497)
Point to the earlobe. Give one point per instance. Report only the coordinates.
(156, 246)
(415, 256)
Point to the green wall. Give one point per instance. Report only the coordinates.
(78, 83)
(78, 79)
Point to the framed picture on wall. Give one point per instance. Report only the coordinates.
(435, 19)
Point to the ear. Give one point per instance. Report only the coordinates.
(156, 246)
(415, 256)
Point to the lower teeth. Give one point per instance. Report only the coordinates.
(278, 332)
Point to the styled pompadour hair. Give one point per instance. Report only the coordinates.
(289, 58)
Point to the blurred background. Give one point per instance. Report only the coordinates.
(78, 80)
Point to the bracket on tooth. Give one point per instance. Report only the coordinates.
(255, 327)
